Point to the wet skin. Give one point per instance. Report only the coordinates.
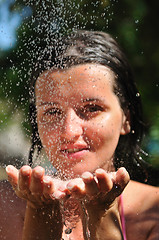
(79, 121)
(95, 125)
(79, 118)
(92, 180)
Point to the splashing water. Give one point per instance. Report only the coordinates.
(87, 233)
(71, 215)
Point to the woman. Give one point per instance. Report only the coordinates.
(86, 114)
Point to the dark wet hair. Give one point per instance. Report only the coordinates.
(101, 48)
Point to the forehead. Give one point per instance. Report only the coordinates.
(80, 79)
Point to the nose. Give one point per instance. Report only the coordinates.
(72, 126)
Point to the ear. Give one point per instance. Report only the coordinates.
(125, 129)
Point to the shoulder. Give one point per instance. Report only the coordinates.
(144, 190)
(142, 196)
(141, 204)
(141, 208)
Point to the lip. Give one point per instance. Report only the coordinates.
(74, 151)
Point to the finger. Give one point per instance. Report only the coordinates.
(24, 178)
(13, 174)
(91, 185)
(48, 186)
(76, 187)
(60, 190)
(36, 184)
(105, 182)
(122, 178)
(58, 195)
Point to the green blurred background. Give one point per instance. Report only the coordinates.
(26, 26)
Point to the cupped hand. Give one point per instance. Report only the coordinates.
(39, 189)
(34, 186)
(98, 188)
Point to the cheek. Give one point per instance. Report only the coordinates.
(104, 131)
(49, 136)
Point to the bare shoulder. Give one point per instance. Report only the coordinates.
(12, 211)
(141, 198)
(136, 193)
(141, 208)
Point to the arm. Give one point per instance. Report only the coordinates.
(104, 224)
(42, 223)
(42, 218)
(12, 210)
(99, 198)
(98, 194)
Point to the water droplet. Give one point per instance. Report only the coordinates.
(136, 21)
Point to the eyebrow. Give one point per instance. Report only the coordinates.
(91, 100)
(48, 103)
(84, 100)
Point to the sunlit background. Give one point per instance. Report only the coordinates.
(25, 28)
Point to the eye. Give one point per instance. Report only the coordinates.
(51, 115)
(90, 110)
(53, 111)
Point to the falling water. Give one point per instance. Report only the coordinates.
(87, 233)
(49, 20)
(70, 217)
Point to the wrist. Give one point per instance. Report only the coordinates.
(44, 222)
(103, 222)
(44, 209)
(36, 205)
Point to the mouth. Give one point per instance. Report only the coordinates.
(74, 150)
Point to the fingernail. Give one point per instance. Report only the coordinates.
(70, 186)
(9, 169)
(62, 188)
(25, 171)
(99, 171)
(46, 179)
(123, 172)
(58, 195)
(85, 175)
(38, 173)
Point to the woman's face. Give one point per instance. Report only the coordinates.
(79, 118)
